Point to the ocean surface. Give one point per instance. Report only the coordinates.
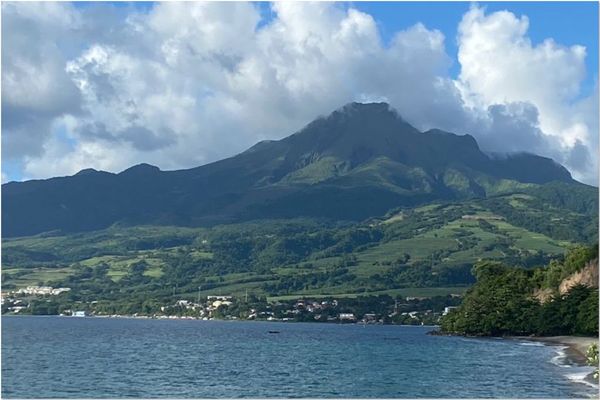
(100, 357)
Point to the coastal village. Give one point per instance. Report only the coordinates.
(407, 310)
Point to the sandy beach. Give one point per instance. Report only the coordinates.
(576, 349)
(576, 345)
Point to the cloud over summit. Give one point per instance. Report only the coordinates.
(183, 84)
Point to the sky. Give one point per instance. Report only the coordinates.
(177, 85)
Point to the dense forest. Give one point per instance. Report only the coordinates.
(506, 301)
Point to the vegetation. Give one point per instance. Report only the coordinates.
(320, 213)
(592, 358)
(502, 302)
(328, 170)
(404, 251)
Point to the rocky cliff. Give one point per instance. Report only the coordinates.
(587, 276)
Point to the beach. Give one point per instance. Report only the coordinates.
(576, 346)
(575, 349)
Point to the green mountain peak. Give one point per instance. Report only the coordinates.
(359, 161)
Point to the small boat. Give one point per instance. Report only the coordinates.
(273, 331)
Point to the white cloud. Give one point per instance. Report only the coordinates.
(189, 83)
(501, 66)
(35, 86)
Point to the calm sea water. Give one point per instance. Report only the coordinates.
(99, 357)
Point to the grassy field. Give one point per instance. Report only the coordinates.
(34, 276)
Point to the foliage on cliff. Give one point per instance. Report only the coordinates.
(502, 301)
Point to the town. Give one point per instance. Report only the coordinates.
(383, 309)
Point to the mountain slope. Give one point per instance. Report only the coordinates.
(358, 162)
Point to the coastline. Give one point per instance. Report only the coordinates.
(576, 346)
(575, 349)
(189, 318)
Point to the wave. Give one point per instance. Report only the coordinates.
(581, 375)
(535, 344)
(576, 373)
(560, 359)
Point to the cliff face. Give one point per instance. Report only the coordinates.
(587, 276)
(543, 295)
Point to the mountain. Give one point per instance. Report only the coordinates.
(360, 161)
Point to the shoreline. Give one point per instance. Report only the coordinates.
(575, 349)
(187, 318)
(576, 346)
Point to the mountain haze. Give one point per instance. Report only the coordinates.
(360, 161)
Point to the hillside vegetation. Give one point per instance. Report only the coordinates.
(356, 203)
(504, 301)
(424, 251)
(359, 162)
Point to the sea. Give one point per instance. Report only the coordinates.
(69, 357)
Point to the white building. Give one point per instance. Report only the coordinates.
(222, 298)
(347, 317)
(448, 309)
(42, 290)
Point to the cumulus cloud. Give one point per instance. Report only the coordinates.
(530, 91)
(184, 84)
(35, 87)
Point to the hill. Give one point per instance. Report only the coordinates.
(507, 301)
(360, 161)
(357, 203)
(420, 251)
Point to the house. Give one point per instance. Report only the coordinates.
(448, 309)
(78, 314)
(370, 317)
(218, 303)
(222, 298)
(58, 291)
(347, 317)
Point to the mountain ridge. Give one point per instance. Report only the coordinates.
(359, 161)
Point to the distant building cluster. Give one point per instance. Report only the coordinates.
(408, 311)
(42, 290)
(17, 300)
(13, 305)
(206, 310)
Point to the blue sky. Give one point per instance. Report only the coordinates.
(82, 119)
